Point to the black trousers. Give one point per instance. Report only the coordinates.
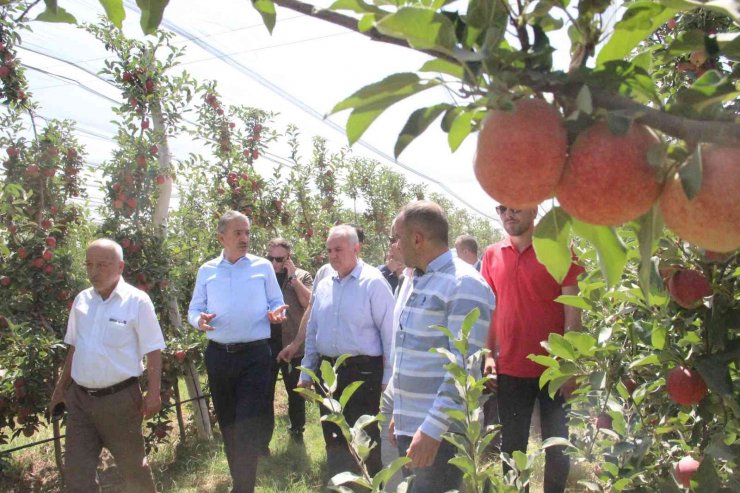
(365, 400)
(296, 403)
(516, 398)
(240, 389)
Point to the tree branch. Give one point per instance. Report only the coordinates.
(720, 132)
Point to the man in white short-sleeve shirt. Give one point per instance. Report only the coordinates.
(111, 327)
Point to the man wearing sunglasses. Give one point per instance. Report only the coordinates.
(526, 313)
(296, 286)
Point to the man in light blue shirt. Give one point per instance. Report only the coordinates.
(445, 290)
(235, 299)
(352, 314)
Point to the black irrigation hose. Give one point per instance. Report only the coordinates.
(47, 440)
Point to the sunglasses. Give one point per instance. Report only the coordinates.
(279, 260)
(501, 209)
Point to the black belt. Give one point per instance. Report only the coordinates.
(109, 390)
(361, 359)
(238, 347)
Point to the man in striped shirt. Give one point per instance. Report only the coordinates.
(445, 290)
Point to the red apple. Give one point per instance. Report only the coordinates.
(48, 172)
(127, 76)
(71, 153)
(685, 386)
(255, 154)
(117, 204)
(5, 281)
(141, 160)
(133, 101)
(604, 421)
(12, 151)
(145, 124)
(688, 287)
(154, 149)
(38, 262)
(160, 180)
(47, 255)
(132, 202)
(22, 253)
(685, 470)
(149, 86)
(32, 170)
(125, 243)
(4, 71)
(48, 269)
(47, 224)
(180, 356)
(50, 241)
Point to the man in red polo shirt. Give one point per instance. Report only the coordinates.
(526, 313)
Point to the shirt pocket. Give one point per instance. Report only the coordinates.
(118, 333)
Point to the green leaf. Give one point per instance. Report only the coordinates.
(658, 337)
(460, 129)
(329, 376)
(686, 42)
(651, 359)
(439, 65)
(560, 347)
(55, 14)
(551, 243)
(266, 9)
(543, 360)
(583, 342)
(357, 6)
(690, 174)
(114, 11)
(557, 442)
(422, 28)
(348, 391)
(366, 23)
(151, 14)
(575, 301)
(611, 250)
(650, 226)
(417, 123)
(389, 471)
(640, 20)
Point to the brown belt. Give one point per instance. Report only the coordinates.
(109, 390)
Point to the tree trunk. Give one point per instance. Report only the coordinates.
(161, 211)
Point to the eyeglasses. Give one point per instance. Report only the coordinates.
(501, 209)
(279, 260)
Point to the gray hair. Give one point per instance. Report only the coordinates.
(346, 231)
(108, 243)
(229, 216)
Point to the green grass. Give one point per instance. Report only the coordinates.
(194, 465)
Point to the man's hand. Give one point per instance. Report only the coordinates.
(287, 353)
(277, 316)
(489, 368)
(203, 321)
(151, 404)
(290, 267)
(56, 398)
(392, 432)
(422, 451)
(304, 384)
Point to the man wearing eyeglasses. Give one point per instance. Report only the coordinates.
(236, 298)
(296, 286)
(526, 313)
